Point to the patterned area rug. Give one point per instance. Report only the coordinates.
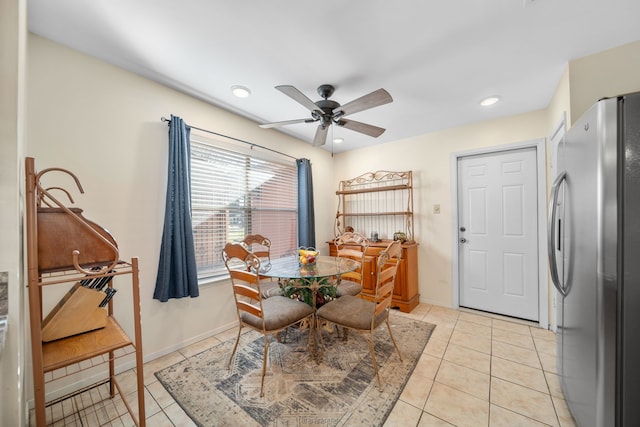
(340, 391)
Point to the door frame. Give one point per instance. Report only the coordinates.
(541, 168)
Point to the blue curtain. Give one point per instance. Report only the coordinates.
(306, 212)
(177, 272)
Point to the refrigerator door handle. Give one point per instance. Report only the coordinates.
(553, 205)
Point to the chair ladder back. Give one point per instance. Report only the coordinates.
(351, 253)
(249, 308)
(237, 254)
(235, 250)
(257, 239)
(351, 238)
(388, 262)
(382, 306)
(352, 275)
(261, 254)
(245, 276)
(387, 274)
(263, 249)
(246, 291)
(353, 246)
(384, 290)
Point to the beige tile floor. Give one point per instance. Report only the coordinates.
(476, 370)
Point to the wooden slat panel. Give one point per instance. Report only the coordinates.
(382, 305)
(77, 348)
(385, 275)
(385, 289)
(249, 308)
(246, 291)
(245, 276)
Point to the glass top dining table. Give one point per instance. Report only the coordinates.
(290, 272)
(325, 266)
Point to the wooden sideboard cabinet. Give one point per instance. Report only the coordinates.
(405, 292)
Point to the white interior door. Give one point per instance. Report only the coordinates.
(498, 234)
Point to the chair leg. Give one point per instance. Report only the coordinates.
(235, 347)
(309, 341)
(373, 359)
(393, 339)
(265, 355)
(315, 337)
(337, 330)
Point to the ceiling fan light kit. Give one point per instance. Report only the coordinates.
(327, 111)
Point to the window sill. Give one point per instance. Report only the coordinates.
(214, 281)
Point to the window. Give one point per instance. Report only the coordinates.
(234, 194)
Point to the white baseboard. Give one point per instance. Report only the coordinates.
(192, 340)
(434, 302)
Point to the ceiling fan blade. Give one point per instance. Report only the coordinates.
(286, 122)
(374, 99)
(321, 136)
(299, 97)
(370, 130)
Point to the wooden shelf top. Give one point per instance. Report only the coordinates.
(383, 243)
(375, 189)
(75, 349)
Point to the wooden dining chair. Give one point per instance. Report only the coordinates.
(268, 316)
(260, 246)
(351, 245)
(363, 315)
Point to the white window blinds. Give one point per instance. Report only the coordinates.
(234, 194)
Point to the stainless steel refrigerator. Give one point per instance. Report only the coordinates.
(594, 257)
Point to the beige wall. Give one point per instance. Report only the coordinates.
(609, 73)
(429, 157)
(583, 82)
(103, 124)
(560, 104)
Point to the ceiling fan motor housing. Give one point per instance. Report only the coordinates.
(326, 91)
(328, 111)
(327, 106)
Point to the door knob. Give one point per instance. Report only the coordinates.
(463, 240)
(463, 229)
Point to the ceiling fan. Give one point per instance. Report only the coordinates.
(328, 112)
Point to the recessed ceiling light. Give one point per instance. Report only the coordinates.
(338, 140)
(489, 101)
(240, 91)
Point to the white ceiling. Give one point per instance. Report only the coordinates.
(436, 59)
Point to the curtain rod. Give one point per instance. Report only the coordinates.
(235, 139)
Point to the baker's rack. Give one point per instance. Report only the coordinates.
(77, 341)
(377, 204)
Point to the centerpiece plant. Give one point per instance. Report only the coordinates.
(304, 289)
